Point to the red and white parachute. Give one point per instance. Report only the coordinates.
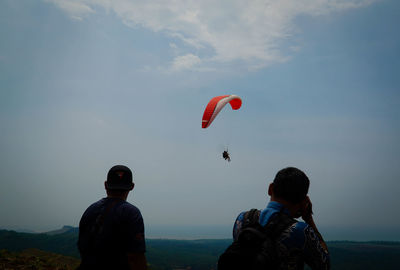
(215, 106)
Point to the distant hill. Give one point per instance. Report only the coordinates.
(65, 229)
(364, 255)
(203, 254)
(36, 259)
(64, 243)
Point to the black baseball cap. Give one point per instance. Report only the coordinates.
(119, 177)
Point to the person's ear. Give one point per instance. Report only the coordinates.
(271, 189)
(132, 186)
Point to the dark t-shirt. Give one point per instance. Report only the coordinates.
(109, 230)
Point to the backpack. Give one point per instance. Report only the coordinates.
(255, 247)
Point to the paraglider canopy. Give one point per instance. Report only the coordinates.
(216, 104)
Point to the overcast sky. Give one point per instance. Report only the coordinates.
(86, 84)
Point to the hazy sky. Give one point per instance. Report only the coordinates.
(86, 84)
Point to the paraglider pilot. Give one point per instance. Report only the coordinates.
(226, 156)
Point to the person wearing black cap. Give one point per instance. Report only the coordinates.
(111, 230)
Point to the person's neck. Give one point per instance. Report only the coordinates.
(293, 209)
(121, 197)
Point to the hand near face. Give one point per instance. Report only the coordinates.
(306, 212)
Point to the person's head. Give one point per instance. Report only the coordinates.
(119, 181)
(290, 185)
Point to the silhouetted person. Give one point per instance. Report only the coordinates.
(226, 156)
(301, 242)
(111, 231)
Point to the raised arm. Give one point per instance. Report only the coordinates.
(316, 253)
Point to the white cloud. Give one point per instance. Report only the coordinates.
(173, 45)
(76, 9)
(185, 62)
(232, 30)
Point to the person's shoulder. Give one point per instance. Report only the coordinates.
(300, 226)
(93, 210)
(129, 210)
(96, 205)
(295, 234)
(129, 207)
(299, 229)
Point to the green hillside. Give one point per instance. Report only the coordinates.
(181, 254)
(364, 255)
(64, 243)
(34, 259)
(195, 254)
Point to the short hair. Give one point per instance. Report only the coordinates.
(291, 184)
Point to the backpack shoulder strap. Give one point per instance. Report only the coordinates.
(278, 223)
(251, 217)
